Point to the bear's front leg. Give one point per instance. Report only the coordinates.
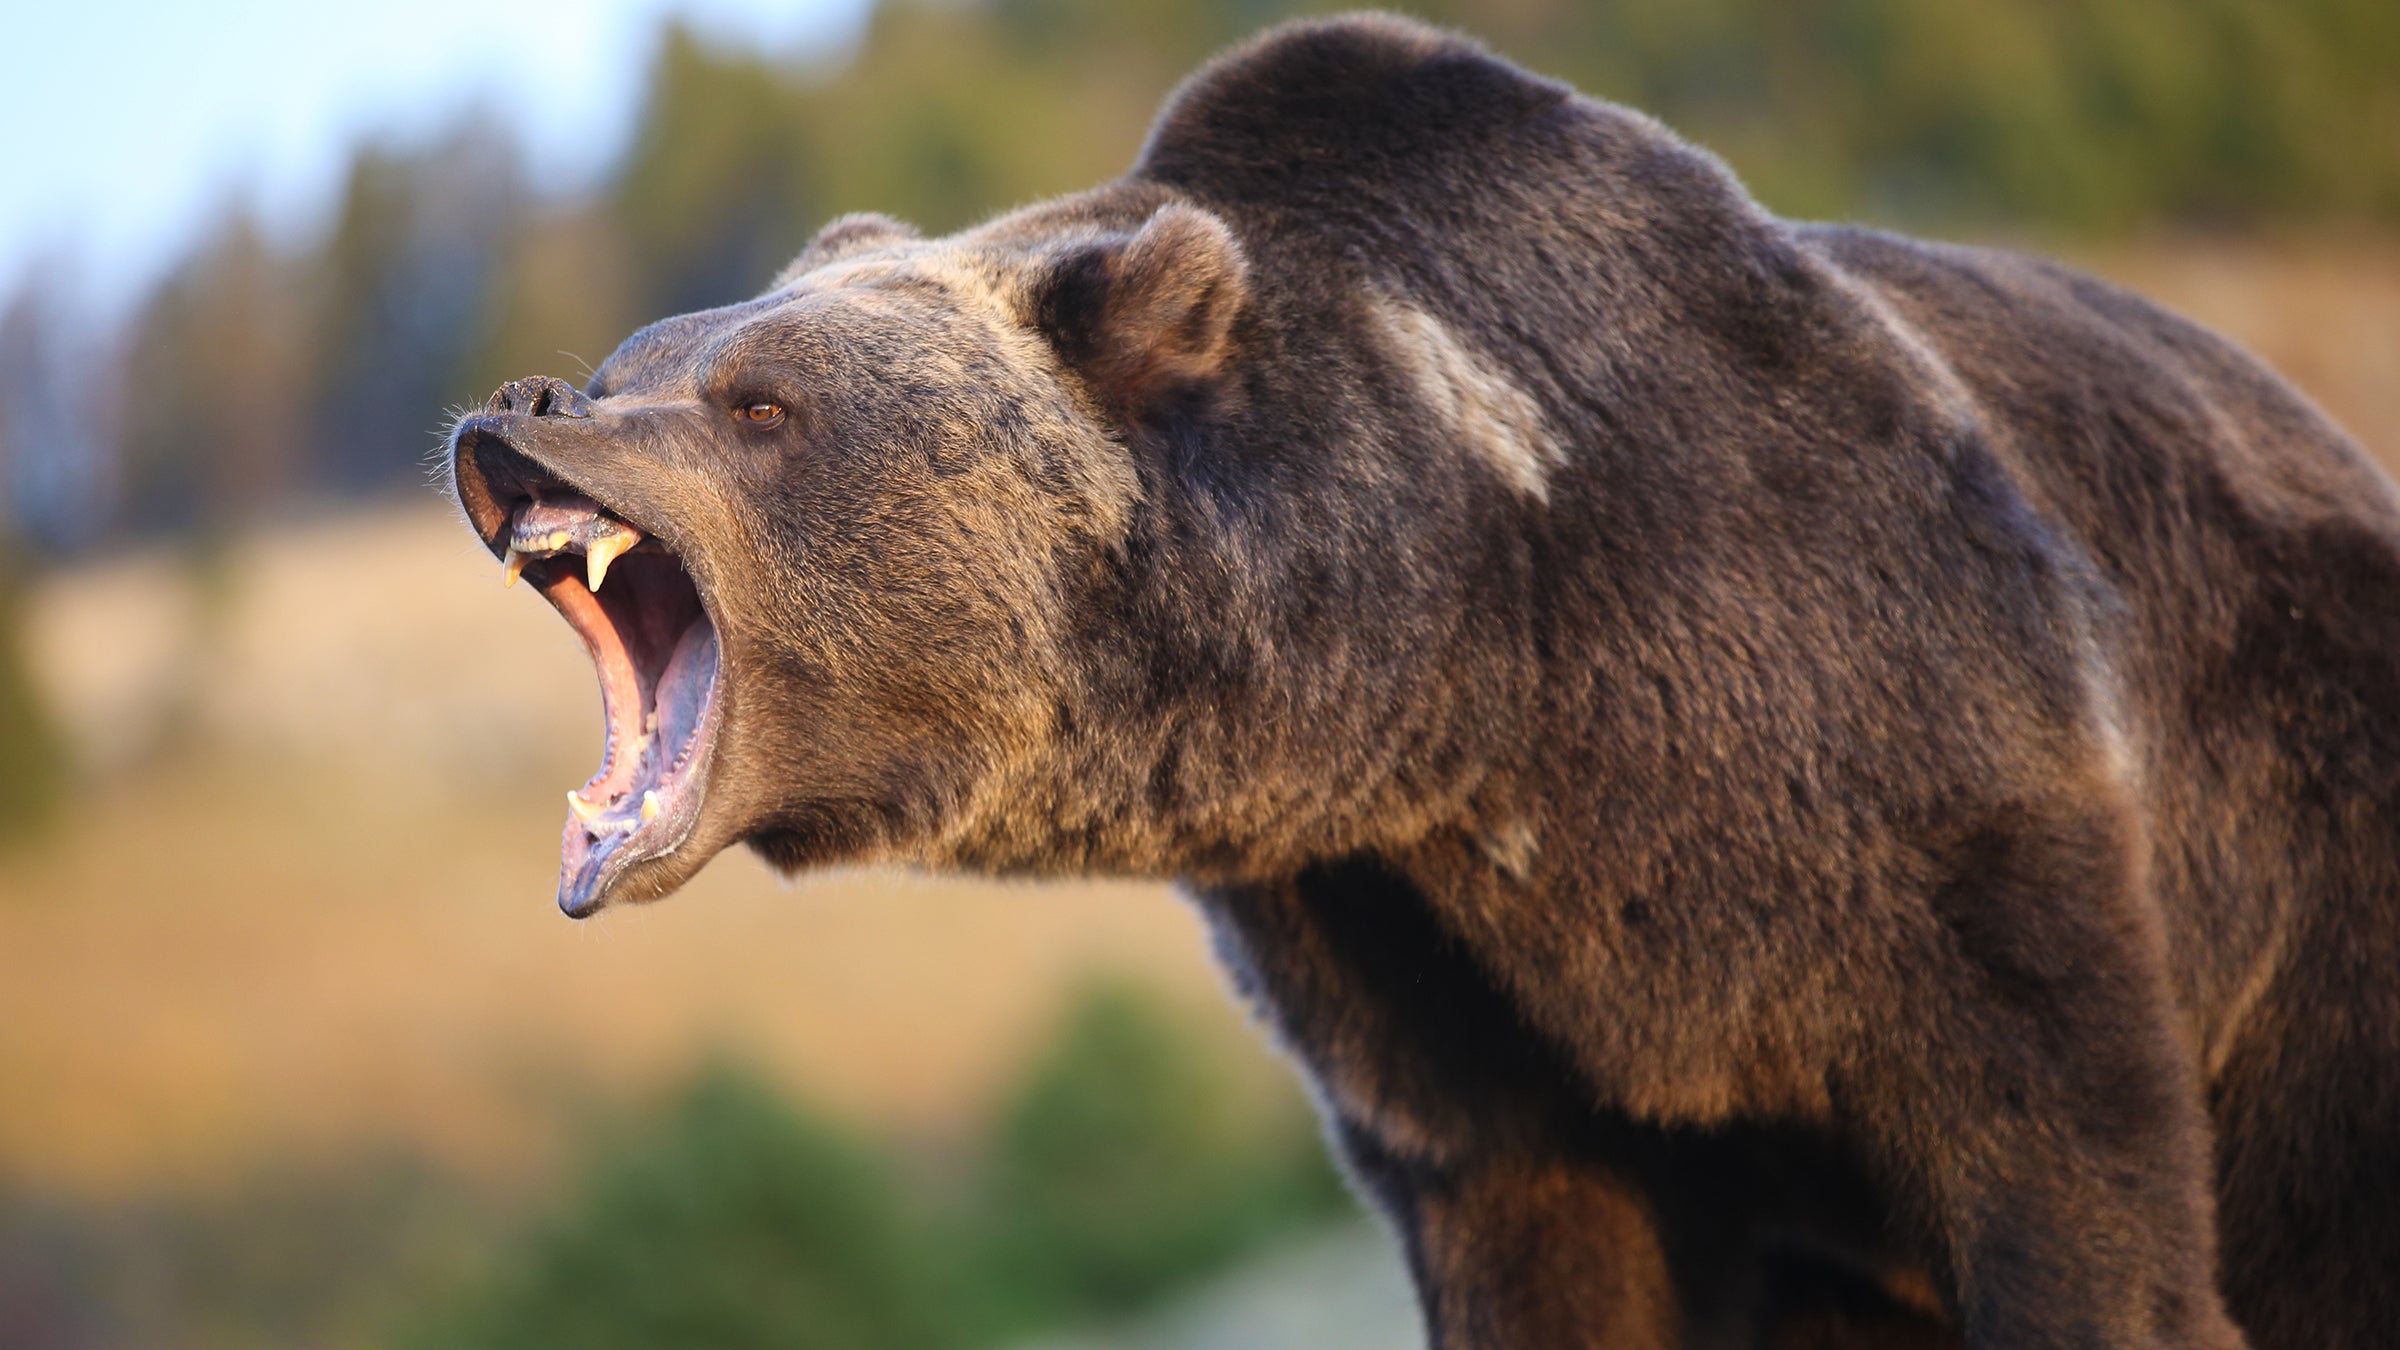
(1528, 1252)
(2037, 1110)
(2082, 1226)
(1641, 1239)
(1445, 1112)
(1531, 1218)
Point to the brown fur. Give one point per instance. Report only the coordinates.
(1786, 786)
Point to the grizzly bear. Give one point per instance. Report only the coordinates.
(1784, 785)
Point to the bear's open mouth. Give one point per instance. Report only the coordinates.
(655, 648)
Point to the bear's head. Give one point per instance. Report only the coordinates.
(857, 560)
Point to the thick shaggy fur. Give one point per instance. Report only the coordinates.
(1786, 785)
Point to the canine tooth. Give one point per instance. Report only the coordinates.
(514, 565)
(583, 810)
(601, 552)
(649, 807)
(596, 819)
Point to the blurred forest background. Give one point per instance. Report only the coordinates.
(292, 1051)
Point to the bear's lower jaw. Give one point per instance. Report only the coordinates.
(656, 651)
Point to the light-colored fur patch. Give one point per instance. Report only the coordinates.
(1488, 412)
(1512, 847)
(1939, 376)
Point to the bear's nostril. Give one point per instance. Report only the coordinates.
(539, 396)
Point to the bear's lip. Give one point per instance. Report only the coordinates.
(656, 650)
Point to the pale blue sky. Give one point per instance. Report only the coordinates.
(123, 123)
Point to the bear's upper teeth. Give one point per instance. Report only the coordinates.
(572, 523)
(602, 551)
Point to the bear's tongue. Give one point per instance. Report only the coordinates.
(656, 654)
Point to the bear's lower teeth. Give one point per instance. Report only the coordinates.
(598, 820)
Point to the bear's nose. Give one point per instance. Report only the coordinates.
(539, 396)
(492, 463)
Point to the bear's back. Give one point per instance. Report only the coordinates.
(2256, 554)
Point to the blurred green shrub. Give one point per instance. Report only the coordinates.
(730, 1220)
(1128, 1165)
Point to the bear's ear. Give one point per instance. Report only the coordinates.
(843, 236)
(1149, 319)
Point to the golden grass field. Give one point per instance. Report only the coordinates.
(308, 906)
(302, 905)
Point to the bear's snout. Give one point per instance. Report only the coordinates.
(496, 454)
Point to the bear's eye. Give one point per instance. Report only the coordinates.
(761, 414)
